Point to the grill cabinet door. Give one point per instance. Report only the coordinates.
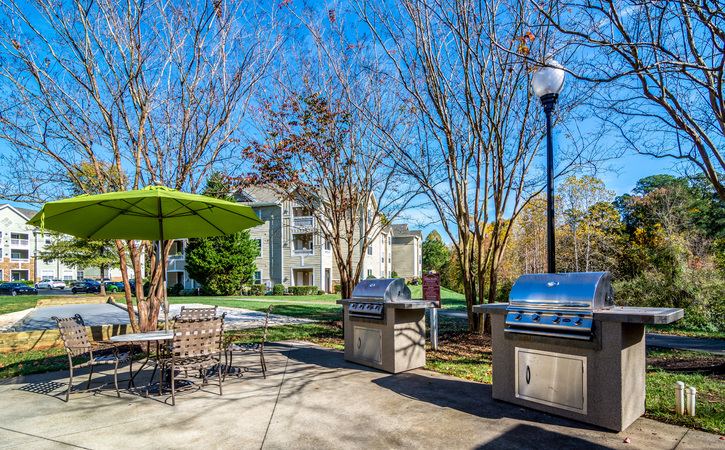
(368, 344)
(554, 379)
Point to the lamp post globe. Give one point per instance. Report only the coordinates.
(547, 82)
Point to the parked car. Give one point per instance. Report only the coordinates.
(87, 286)
(114, 286)
(50, 284)
(17, 289)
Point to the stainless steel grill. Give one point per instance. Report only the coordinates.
(558, 305)
(369, 296)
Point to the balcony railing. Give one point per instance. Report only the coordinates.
(19, 242)
(302, 252)
(303, 222)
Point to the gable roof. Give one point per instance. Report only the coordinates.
(25, 212)
(258, 194)
(401, 230)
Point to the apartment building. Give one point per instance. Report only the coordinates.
(407, 250)
(20, 245)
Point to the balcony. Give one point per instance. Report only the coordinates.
(20, 242)
(303, 222)
(302, 252)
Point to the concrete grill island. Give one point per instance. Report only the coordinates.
(384, 328)
(560, 345)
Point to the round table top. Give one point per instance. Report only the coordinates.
(147, 336)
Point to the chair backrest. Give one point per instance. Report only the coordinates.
(195, 338)
(74, 334)
(198, 312)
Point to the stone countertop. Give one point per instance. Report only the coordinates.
(624, 314)
(406, 304)
(632, 314)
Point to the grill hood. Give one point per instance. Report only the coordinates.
(381, 290)
(569, 291)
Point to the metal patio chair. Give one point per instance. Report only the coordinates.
(77, 344)
(197, 345)
(232, 344)
(197, 312)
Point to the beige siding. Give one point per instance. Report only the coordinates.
(406, 256)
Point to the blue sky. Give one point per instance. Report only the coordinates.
(629, 169)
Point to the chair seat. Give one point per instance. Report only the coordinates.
(111, 359)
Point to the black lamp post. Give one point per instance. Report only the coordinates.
(547, 83)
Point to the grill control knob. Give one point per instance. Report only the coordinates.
(535, 317)
(555, 319)
(578, 321)
(517, 317)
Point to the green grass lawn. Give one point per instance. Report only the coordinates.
(10, 304)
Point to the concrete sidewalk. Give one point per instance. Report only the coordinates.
(311, 398)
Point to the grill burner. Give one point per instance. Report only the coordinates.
(369, 296)
(558, 305)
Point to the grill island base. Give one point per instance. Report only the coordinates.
(600, 381)
(393, 343)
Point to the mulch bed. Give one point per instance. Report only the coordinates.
(711, 366)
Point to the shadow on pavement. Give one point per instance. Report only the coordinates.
(529, 436)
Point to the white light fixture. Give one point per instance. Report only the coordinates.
(548, 79)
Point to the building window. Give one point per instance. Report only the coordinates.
(370, 272)
(259, 247)
(328, 246)
(383, 260)
(370, 250)
(258, 277)
(389, 241)
(48, 241)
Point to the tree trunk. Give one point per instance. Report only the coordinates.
(127, 286)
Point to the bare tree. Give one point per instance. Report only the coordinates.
(153, 90)
(464, 70)
(327, 139)
(659, 67)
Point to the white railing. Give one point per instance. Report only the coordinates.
(19, 242)
(302, 252)
(303, 221)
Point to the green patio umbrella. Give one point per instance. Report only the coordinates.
(154, 213)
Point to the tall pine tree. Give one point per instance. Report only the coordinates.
(221, 264)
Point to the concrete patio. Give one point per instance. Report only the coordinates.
(311, 398)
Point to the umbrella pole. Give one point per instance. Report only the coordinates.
(162, 256)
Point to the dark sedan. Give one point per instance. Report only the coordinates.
(87, 286)
(17, 289)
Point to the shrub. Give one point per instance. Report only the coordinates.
(258, 289)
(175, 289)
(188, 292)
(302, 290)
(320, 292)
(700, 293)
(394, 274)
(337, 288)
(371, 277)
(278, 289)
(27, 282)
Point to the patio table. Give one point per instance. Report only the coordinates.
(148, 337)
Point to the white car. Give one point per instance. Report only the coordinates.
(50, 284)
